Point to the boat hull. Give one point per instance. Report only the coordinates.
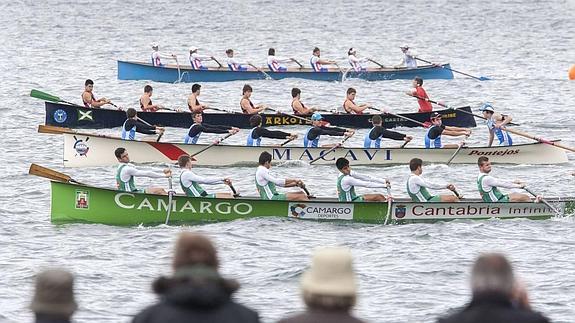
(71, 116)
(170, 74)
(73, 203)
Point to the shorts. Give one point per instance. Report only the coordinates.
(435, 198)
(504, 199)
(210, 196)
(323, 69)
(242, 68)
(358, 199)
(279, 197)
(282, 69)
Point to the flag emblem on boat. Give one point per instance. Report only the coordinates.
(297, 210)
(85, 115)
(400, 211)
(82, 200)
(60, 116)
(81, 146)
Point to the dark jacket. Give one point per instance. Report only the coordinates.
(319, 316)
(196, 298)
(47, 318)
(493, 308)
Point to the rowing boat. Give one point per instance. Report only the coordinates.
(74, 203)
(85, 149)
(128, 70)
(75, 116)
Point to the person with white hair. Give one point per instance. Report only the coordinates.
(157, 55)
(408, 60)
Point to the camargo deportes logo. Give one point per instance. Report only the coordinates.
(321, 211)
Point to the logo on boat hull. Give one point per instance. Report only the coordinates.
(320, 211)
(400, 211)
(60, 116)
(82, 200)
(85, 115)
(81, 146)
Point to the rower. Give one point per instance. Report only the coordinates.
(434, 133)
(246, 104)
(355, 62)
(197, 59)
(197, 128)
(408, 59)
(417, 186)
(488, 185)
(157, 56)
(373, 137)
(316, 62)
(350, 107)
(146, 100)
(88, 96)
(258, 132)
(126, 173)
(297, 106)
(266, 183)
(313, 134)
(133, 125)
(190, 181)
(348, 180)
(233, 64)
(193, 104)
(419, 92)
(496, 123)
(274, 62)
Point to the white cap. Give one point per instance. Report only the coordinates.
(154, 45)
(193, 48)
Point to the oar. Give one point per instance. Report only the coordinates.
(48, 97)
(215, 60)
(401, 117)
(298, 63)
(457, 193)
(389, 200)
(38, 170)
(544, 201)
(376, 63)
(457, 151)
(213, 144)
(261, 71)
(54, 130)
(235, 193)
(170, 198)
(404, 144)
(222, 110)
(160, 136)
(481, 78)
(287, 142)
(330, 150)
(309, 196)
(539, 139)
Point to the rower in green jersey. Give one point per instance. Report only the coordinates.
(488, 185)
(266, 183)
(349, 179)
(417, 186)
(190, 182)
(126, 173)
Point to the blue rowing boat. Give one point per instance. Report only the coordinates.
(173, 73)
(75, 116)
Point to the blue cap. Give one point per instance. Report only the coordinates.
(487, 107)
(316, 117)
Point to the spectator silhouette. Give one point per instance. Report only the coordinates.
(53, 300)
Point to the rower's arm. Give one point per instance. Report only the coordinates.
(491, 137)
(492, 181)
(391, 134)
(278, 181)
(355, 108)
(331, 131)
(367, 178)
(425, 183)
(188, 177)
(274, 134)
(351, 181)
(132, 171)
(215, 129)
(144, 128)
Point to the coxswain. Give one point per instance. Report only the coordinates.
(126, 173)
(297, 106)
(417, 186)
(197, 128)
(133, 125)
(419, 93)
(348, 180)
(349, 105)
(190, 181)
(193, 104)
(316, 62)
(246, 104)
(373, 137)
(146, 100)
(356, 63)
(488, 185)
(88, 96)
(233, 64)
(496, 123)
(437, 129)
(275, 63)
(157, 55)
(258, 132)
(313, 134)
(408, 59)
(266, 183)
(197, 59)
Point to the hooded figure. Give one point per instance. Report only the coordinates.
(195, 292)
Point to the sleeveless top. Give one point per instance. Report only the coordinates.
(494, 195)
(310, 143)
(128, 186)
(314, 62)
(432, 143)
(294, 110)
(410, 62)
(242, 107)
(345, 196)
(371, 143)
(88, 104)
(190, 107)
(350, 112)
(251, 141)
(156, 61)
(503, 136)
(194, 139)
(422, 195)
(130, 134)
(142, 106)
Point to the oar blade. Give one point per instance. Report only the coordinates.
(38, 170)
(484, 78)
(44, 96)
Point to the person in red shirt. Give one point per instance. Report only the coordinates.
(419, 93)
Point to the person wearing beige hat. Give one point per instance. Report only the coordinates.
(53, 300)
(329, 288)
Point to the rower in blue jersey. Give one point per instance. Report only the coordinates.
(437, 129)
(488, 185)
(348, 180)
(496, 123)
(266, 183)
(317, 63)
(127, 172)
(408, 60)
(312, 136)
(417, 186)
(190, 181)
(197, 128)
(133, 125)
(373, 137)
(258, 132)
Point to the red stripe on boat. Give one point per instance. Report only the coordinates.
(169, 150)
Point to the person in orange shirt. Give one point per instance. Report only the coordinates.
(419, 93)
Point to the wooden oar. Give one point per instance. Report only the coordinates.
(330, 150)
(401, 117)
(51, 174)
(54, 130)
(544, 201)
(389, 201)
(48, 97)
(539, 139)
(170, 198)
(457, 151)
(481, 78)
(213, 144)
(376, 63)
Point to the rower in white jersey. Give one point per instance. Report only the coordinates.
(417, 186)
(348, 180)
(157, 56)
(133, 125)
(190, 181)
(126, 173)
(488, 185)
(197, 59)
(233, 64)
(358, 64)
(408, 59)
(266, 183)
(275, 63)
(317, 63)
(496, 123)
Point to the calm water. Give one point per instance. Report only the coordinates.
(410, 273)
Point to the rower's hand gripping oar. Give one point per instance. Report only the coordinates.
(267, 76)
(481, 78)
(539, 139)
(171, 193)
(309, 196)
(389, 202)
(340, 144)
(376, 63)
(543, 200)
